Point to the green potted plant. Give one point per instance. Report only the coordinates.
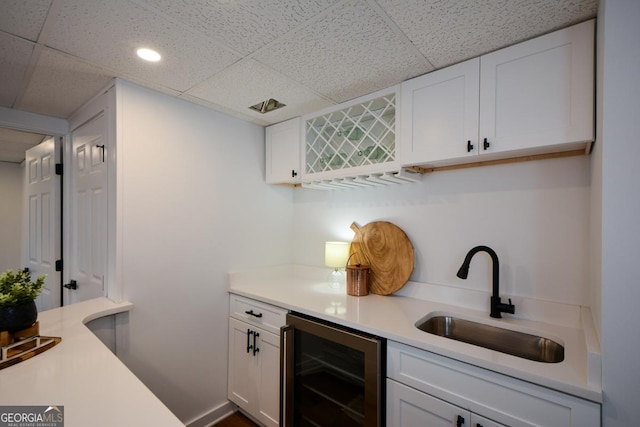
(17, 299)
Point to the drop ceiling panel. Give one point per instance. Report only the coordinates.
(448, 32)
(15, 54)
(249, 82)
(346, 54)
(108, 33)
(244, 25)
(14, 143)
(229, 54)
(24, 18)
(61, 83)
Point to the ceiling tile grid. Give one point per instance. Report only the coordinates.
(60, 83)
(230, 54)
(15, 55)
(259, 84)
(447, 32)
(108, 33)
(243, 25)
(346, 54)
(23, 18)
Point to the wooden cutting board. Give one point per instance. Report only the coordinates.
(387, 250)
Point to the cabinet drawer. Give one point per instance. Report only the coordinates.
(407, 407)
(505, 399)
(268, 317)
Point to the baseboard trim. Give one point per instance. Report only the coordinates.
(211, 417)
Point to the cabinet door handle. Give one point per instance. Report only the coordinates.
(293, 173)
(251, 313)
(255, 344)
(486, 144)
(459, 421)
(249, 346)
(469, 146)
(479, 425)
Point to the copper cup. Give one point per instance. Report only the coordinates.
(357, 280)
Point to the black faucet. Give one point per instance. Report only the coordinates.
(497, 306)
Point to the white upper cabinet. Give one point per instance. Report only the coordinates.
(440, 114)
(532, 98)
(282, 152)
(539, 93)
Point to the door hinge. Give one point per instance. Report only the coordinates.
(59, 265)
(59, 169)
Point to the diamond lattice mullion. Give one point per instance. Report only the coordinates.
(361, 134)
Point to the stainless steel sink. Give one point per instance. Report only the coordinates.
(507, 341)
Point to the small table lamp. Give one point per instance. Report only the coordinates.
(336, 255)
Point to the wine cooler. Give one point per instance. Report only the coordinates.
(331, 375)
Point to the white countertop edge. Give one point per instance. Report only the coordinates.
(82, 374)
(582, 381)
(121, 307)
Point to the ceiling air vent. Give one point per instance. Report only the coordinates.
(266, 106)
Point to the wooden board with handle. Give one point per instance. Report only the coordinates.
(387, 250)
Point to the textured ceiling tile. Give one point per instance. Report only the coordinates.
(223, 109)
(448, 32)
(60, 84)
(23, 18)
(15, 54)
(350, 53)
(244, 25)
(107, 33)
(249, 82)
(14, 143)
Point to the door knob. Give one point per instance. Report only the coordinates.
(72, 285)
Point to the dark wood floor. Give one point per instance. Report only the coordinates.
(236, 420)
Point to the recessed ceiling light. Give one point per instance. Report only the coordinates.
(148, 54)
(267, 106)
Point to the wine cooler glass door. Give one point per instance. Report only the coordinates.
(332, 376)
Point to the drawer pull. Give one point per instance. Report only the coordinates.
(459, 421)
(251, 313)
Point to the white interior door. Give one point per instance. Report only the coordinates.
(43, 224)
(89, 217)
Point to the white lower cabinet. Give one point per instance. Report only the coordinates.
(408, 407)
(254, 360)
(478, 421)
(424, 388)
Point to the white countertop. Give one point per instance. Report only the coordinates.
(393, 317)
(81, 374)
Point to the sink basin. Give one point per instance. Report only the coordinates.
(507, 341)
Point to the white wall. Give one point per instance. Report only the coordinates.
(11, 214)
(194, 206)
(535, 215)
(620, 151)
